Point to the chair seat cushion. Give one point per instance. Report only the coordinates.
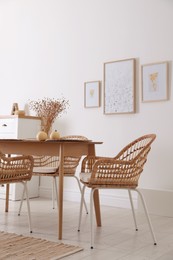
(44, 169)
(85, 176)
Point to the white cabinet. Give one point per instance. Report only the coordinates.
(17, 127)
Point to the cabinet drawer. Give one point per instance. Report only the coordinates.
(7, 126)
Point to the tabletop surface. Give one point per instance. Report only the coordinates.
(51, 141)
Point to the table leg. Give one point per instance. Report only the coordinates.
(60, 192)
(97, 208)
(91, 151)
(7, 197)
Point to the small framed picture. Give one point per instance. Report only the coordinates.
(92, 94)
(155, 82)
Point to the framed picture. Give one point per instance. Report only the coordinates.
(155, 82)
(119, 87)
(92, 94)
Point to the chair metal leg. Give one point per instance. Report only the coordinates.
(25, 191)
(133, 211)
(80, 188)
(91, 216)
(81, 207)
(21, 201)
(55, 192)
(147, 216)
(28, 206)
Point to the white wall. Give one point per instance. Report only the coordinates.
(51, 47)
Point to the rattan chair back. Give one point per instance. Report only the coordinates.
(74, 137)
(124, 169)
(70, 162)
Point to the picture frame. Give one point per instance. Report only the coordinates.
(154, 81)
(91, 94)
(119, 86)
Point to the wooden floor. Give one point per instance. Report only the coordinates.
(116, 239)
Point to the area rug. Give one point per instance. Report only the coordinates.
(18, 247)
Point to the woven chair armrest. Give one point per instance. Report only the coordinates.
(109, 171)
(17, 158)
(71, 162)
(88, 162)
(15, 169)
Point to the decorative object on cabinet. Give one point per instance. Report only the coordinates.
(16, 111)
(48, 110)
(17, 127)
(14, 108)
(119, 87)
(92, 94)
(155, 82)
(20, 112)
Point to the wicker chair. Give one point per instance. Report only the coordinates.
(121, 172)
(49, 166)
(17, 169)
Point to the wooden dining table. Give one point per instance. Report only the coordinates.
(60, 148)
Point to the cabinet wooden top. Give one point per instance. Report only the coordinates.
(19, 116)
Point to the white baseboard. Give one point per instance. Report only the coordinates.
(118, 199)
(159, 202)
(45, 192)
